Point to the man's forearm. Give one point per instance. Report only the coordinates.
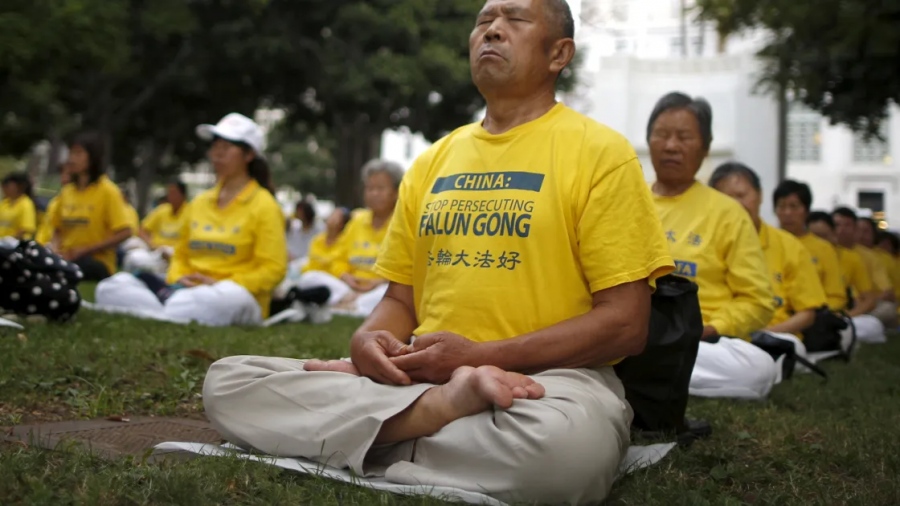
(616, 327)
(392, 315)
(589, 340)
(796, 323)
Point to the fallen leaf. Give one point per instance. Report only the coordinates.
(22, 337)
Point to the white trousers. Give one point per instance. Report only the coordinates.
(365, 303)
(869, 329)
(733, 368)
(565, 447)
(222, 304)
(338, 288)
(886, 312)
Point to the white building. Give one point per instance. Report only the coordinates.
(402, 146)
(633, 52)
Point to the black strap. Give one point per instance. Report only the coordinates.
(813, 367)
(849, 352)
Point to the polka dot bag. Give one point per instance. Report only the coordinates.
(35, 281)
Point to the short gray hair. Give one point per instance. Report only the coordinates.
(392, 169)
(698, 106)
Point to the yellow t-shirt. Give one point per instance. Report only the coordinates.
(45, 230)
(892, 264)
(828, 266)
(89, 216)
(325, 257)
(880, 277)
(715, 244)
(244, 242)
(502, 235)
(18, 218)
(792, 274)
(856, 274)
(164, 224)
(359, 244)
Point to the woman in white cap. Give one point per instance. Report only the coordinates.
(232, 250)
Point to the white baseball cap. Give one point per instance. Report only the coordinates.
(236, 128)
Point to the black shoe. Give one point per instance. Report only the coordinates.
(696, 429)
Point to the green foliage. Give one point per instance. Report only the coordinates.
(303, 159)
(145, 73)
(839, 58)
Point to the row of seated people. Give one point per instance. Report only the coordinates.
(207, 242)
(753, 276)
(223, 254)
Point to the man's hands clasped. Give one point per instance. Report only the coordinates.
(382, 357)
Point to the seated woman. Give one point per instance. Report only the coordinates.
(89, 219)
(17, 210)
(715, 244)
(232, 250)
(795, 283)
(159, 233)
(302, 229)
(353, 284)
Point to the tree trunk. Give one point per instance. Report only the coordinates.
(358, 142)
(53, 158)
(782, 129)
(151, 156)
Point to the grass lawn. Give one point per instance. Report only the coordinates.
(808, 444)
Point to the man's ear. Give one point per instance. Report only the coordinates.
(561, 54)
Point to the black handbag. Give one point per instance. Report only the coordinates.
(35, 281)
(777, 347)
(656, 381)
(825, 332)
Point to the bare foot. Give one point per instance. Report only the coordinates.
(471, 391)
(331, 366)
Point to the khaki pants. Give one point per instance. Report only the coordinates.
(565, 447)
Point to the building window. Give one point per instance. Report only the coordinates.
(871, 200)
(675, 45)
(697, 43)
(873, 150)
(621, 45)
(803, 135)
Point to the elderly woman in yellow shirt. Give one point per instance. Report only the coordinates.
(714, 244)
(232, 250)
(353, 284)
(795, 283)
(17, 211)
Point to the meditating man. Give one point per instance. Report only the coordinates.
(521, 256)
